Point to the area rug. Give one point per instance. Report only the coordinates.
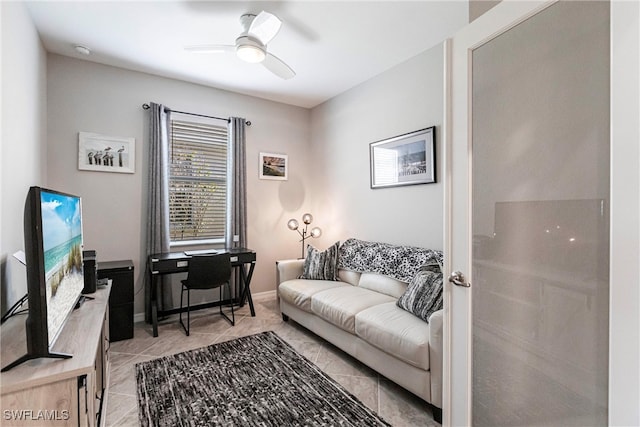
(258, 380)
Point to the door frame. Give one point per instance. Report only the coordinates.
(624, 317)
(624, 276)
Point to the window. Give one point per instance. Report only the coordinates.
(197, 182)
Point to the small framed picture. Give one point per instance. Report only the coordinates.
(404, 160)
(104, 153)
(274, 166)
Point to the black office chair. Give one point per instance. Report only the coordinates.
(207, 272)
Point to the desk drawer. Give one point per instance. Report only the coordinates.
(166, 266)
(243, 258)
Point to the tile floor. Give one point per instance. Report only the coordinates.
(397, 406)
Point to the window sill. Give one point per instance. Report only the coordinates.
(196, 243)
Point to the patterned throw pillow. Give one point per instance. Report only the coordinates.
(423, 296)
(321, 265)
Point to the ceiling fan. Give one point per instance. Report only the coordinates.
(251, 44)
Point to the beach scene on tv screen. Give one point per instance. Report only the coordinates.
(62, 244)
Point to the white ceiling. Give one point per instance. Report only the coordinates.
(332, 46)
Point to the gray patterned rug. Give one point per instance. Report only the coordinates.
(258, 380)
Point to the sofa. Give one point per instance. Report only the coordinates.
(349, 295)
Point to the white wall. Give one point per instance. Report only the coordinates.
(23, 149)
(403, 99)
(85, 96)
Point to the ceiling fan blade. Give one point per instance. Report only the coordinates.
(211, 48)
(265, 26)
(278, 67)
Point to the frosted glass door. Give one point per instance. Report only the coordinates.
(540, 220)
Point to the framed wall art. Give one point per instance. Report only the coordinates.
(274, 166)
(404, 160)
(104, 153)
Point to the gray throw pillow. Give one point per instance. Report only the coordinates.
(423, 296)
(321, 265)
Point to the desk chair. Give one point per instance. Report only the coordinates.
(207, 272)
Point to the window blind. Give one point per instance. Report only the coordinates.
(197, 181)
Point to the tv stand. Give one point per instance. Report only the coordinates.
(69, 391)
(81, 301)
(28, 357)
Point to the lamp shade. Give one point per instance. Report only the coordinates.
(292, 224)
(316, 232)
(307, 218)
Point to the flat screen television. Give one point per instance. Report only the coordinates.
(53, 255)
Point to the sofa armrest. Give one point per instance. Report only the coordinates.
(289, 269)
(435, 357)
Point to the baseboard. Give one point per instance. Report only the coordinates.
(267, 295)
(260, 296)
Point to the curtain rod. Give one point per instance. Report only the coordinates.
(147, 106)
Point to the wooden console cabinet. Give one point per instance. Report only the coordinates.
(59, 392)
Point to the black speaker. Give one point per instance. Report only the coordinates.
(90, 268)
(120, 273)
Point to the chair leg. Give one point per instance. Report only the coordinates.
(180, 314)
(188, 310)
(233, 317)
(186, 328)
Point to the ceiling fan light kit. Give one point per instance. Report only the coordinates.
(250, 50)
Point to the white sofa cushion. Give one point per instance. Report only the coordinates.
(351, 277)
(395, 331)
(383, 284)
(339, 306)
(299, 291)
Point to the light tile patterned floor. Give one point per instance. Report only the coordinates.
(397, 406)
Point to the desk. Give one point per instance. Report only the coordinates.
(178, 262)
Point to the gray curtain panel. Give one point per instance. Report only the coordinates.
(237, 186)
(236, 191)
(158, 199)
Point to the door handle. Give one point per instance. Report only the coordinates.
(458, 279)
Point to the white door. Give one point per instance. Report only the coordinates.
(527, 222)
